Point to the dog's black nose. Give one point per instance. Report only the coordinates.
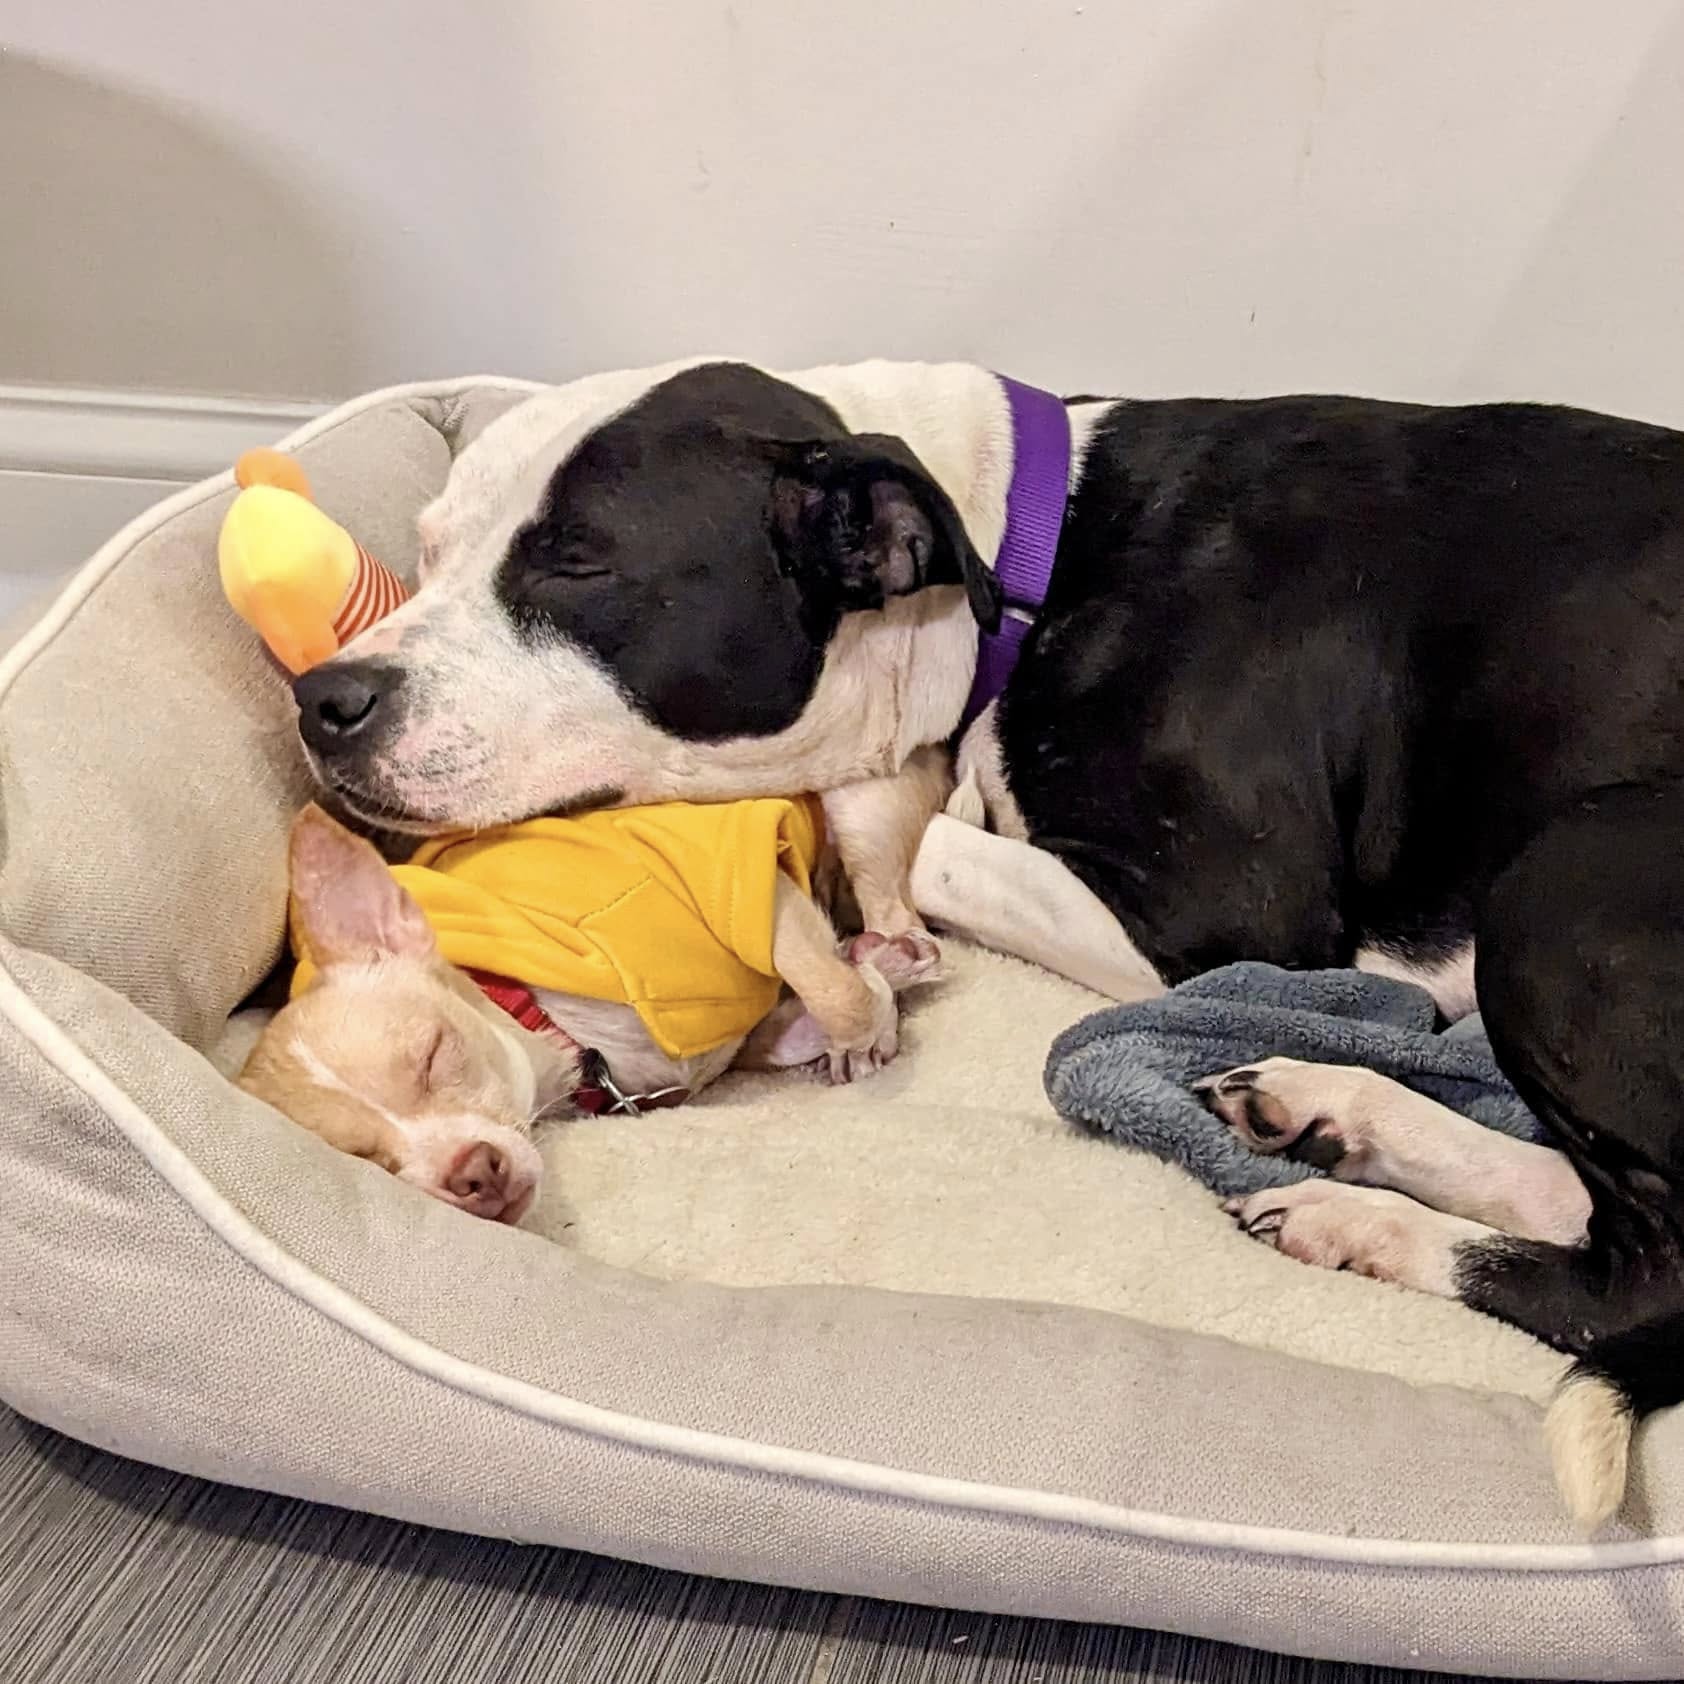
(339, 706)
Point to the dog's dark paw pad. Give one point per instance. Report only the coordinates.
(1320, 1145)
(1242, 1100)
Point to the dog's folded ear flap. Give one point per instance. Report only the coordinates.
(859, 519)
(345, 907)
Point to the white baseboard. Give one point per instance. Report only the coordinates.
(134, 435)
(75, 464)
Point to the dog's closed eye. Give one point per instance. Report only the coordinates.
(442, 1059)
(573, 566)
(551, 554)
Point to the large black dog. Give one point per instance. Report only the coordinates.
(1316, 680)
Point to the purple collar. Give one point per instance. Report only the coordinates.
(1034, 513)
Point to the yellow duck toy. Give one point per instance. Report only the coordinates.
(297, 578)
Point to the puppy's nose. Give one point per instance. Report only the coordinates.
(482, 1182)
(341, 703)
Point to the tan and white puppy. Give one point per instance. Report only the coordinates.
(394, 1056)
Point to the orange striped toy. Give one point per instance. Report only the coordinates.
(297, 578)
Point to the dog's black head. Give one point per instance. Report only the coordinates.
(666, 580)
(704, 545)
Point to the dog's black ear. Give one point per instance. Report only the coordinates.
(859, 520)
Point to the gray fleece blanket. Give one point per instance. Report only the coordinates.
(1129, 1070)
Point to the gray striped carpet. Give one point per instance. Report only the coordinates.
(115, 1573)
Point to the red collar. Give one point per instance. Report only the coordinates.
(597, 1091)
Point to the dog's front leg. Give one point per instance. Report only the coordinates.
(844, 1014)
(1362, 1127)
(877, 826)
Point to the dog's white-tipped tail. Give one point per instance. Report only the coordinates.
(1588, 1428)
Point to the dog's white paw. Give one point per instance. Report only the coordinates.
(1308, 1112)
(882, 1040)
(1368, 1230)
(903, 961)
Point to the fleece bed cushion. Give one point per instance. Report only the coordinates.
(917, 1339)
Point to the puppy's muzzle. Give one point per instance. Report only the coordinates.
(485, 1181)
(346, 708)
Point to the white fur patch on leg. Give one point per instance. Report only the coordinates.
(966, 803)
(1588, 1429)
(1022, 900)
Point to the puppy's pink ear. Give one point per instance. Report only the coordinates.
(348, 908)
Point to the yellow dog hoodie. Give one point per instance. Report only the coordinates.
(667, 909)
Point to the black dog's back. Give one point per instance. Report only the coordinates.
(1317, 674)
(1317, 667)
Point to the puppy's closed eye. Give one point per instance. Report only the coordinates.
(443, 1059)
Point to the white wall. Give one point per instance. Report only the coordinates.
(1443, 198)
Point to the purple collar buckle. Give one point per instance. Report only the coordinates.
(1035, 503)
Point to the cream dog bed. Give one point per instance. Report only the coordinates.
(913, 1339)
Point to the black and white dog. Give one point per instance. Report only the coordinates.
(1315, 680)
